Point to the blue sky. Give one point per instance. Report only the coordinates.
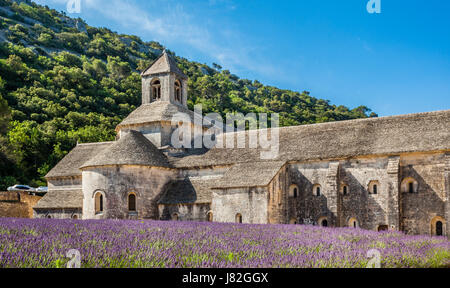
(395, 62)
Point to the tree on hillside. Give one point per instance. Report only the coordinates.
(64, 84)
(4, 110)
(5, 162)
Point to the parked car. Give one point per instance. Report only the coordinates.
(19, 187)
(42, 189)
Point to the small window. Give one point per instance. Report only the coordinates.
(177, 91)
(98, 203)
(353, 223)
(317, 191)
(439, 228)
(293, 191)
(210, 216)
(132, 202)
(409, 185)
(75, 217)
(323, 221)
(175, 217)
(156, 89)
(344, 189)
(373, 187)
(238, 218)
(383, 228)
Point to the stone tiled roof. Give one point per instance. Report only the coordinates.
(70, 164)
(385, 135)
(55, 199)
(374, 136)
(251, 174)
(155, 112)
(164, 64)
(188, 191)
(131, 149)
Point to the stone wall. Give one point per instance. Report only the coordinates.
(185, 212)
(115, 183)
(167, 87)
(369, 209)
(392, 206)
(64, 182)
(419, 209)
(63, 213)
(251, 203)
(11, 205)
(159, 133)
(447, 191)
(308, 208)
(277, 198)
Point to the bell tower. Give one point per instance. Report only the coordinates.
(164, 81)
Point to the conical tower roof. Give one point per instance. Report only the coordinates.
(164, 64)
(131, 149)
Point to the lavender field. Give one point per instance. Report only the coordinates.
(118, 243)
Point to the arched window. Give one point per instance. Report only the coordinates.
(177, 91)
(238, 218)
(74, 217)
(156, 89)
(353, 223)
(438, 226)
(317, 190)
(132, 202)
(323, 221)
(409, 185)
(383, 228)
(293, 191)
(209, 216)
(98, 203)
(175, 216)
(49, 216)
(344, 189)
(373, 187)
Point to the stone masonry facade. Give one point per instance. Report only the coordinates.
(388, 173)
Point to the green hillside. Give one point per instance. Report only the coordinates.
(63, 81)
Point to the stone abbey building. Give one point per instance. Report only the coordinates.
(388, 173)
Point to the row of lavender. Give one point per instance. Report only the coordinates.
(118, 243)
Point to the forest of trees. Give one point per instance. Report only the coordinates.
(63, 81)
